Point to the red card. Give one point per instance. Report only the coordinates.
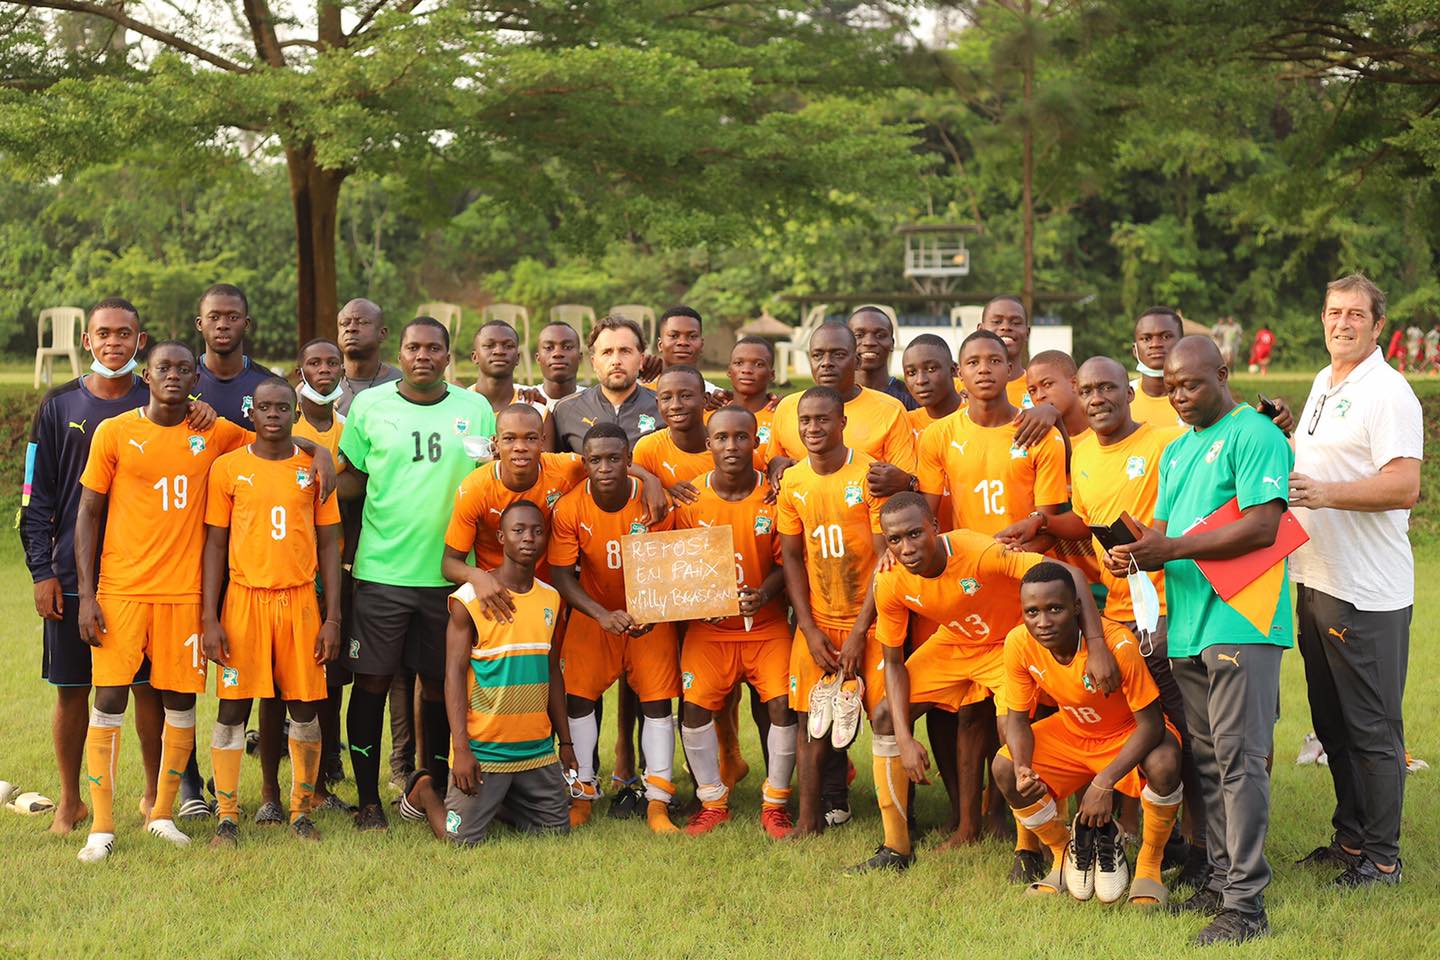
(1229, 577)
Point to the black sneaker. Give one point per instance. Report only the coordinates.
(1029, 866)
(371, 817)
(332, 770)
(1234, 926)
(1196, 872)
(252, 743)
(227, 834)
(628, 802)
(1366, 874)
(884, 859)
(1330, 855)
(333, 803)
(1177, 853)
(305, 829)
(269, 814)
(1204, 901)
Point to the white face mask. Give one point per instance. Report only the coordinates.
(100, 370)
(315, 396)
(1146, 603)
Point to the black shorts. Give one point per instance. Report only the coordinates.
(65, 660)
(394, 626)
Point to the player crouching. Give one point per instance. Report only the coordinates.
(1091, 740)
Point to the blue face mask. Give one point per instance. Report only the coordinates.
(100, 370)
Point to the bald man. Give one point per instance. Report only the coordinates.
(362, 329)
(1226, 658)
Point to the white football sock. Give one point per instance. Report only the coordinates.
(585, 734)
(657, 739)
(781, 741)
(702, 749)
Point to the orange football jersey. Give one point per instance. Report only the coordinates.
(1030, 669)
(975, 601)
(838, 519)
(483, 497)
(658, 453)
(582, 532)
(1152, 410)
(992, 482)
(330, 439)
(920, 420)
(875, 425)
(272, 509)
(156, 479)
(757, 551)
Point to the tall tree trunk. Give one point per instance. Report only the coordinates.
(1027, 182)
(315, 200)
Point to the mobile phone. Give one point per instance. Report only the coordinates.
(1267, 406)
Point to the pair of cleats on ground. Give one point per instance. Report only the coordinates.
(1093, 866)
(836, 706)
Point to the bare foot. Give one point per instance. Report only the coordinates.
(802, 832)
(66, 820)
(958, 839)
(145, 805)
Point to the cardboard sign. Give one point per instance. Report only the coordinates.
(680, 574)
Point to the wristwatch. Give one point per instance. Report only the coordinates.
(1044, 519)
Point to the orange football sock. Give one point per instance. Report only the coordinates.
(102, 752)
(227, 749)
(1025, 839)
(304, 771)
(733, 767)
(1160, 813)
(176, 745)
(892, 792)
(1050, 830)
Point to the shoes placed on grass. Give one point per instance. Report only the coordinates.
(1050, 884)
(227, 834)
(304, 828)
(371, 817)
(847, 710)
(1366, 874)
(837, 816)
(885, 859)
(196, 808)
(822, 705)
(1206, 902)
(97, 847)
(269, 815)
(1196, 872)
(629, 800)
(1112, 870)
(29, 803)
(1312, 751)
(332, 803)
(332, 770)
(1330, 855)
(1078, 870)
(1146, 893)
(1176, 850)
(167, 831)
(707, 819)
(777, 822)
(1234, 926)
(1028, 867)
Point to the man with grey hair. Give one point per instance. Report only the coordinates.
(1357, 474)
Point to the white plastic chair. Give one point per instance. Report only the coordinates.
(64, 323)
(578, 315)
(641, 314)
(519, 318)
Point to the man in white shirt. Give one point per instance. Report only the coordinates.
(1358, 448)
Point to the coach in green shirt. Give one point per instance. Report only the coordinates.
(1227, 668)
(413, 440)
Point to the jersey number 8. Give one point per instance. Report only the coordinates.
(612, 554)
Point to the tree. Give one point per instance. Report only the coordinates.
(672, 121)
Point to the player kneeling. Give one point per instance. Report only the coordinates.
(505, 699)
(1091, 739)
(264, 517)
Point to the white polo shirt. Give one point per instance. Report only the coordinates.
(1362, 423)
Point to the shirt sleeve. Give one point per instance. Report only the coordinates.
(1050, 485)
(787, 518)
(572, 469)
(1020, 691)
(354, 443)
(37, 497)
(220, 499)
(899, 448)
(327, 511)
(1139, 686)
(564, 548)
(999, 561)
(892, 617)
(931, 460)
(1261, 461)
(464, 516)
(230, 436)
(104, 457)
(643, 455)
(1396, 429)
(872, 506)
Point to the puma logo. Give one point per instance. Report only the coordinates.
(363, 751)
(1229, 659)
(799, 496)
(1339, 634)
(587, 528)
(81, 425)
(959, 446)
(138, 445)
(704, 523)
(228, 795)
(1037, 671)
(494, 511)
(1122, 643)
(667, 466)
(1274, 480)
(248, 478)
(94, 780)
(588, 421)
(914, 600)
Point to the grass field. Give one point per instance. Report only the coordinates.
(613, 889)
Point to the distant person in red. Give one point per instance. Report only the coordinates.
(1396, 350)
(1260, 351)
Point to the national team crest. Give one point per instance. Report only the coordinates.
(1342, 408)
(1214, 451)
(853, 494)
(1027, 402)
(197, 444)
(1088, 684)
(302, 479)
(1018, 453)
(354, 649)
(1135, 468)
(687, 679)
(246, 404)
(794, 683)
(549, 617)
(462, 426)
(762, 523)
(646, 423)
(230, 677)
(637, 527)
(452, 821)
(970, 586)
(552, 498)
(763, 435)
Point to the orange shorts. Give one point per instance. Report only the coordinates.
(1068, 763)
(167, 633)
(804, 673)
(950, 675)
(710, 668)
(591, 660)
(272, 644)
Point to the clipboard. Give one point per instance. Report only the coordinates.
(1233, 575)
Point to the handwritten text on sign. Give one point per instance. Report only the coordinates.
(680, 574)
